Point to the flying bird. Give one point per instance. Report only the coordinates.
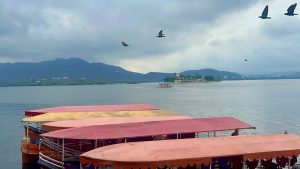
(264, 14)
(245, 60)
(124, 44)
(291, 9)
(160, 34)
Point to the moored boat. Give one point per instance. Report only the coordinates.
(65, 146)
(92, 108)
(243, 151)
(33, 123)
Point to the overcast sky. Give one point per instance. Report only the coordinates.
(200, 34)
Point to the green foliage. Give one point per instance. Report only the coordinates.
(169, 79)
(209, 78)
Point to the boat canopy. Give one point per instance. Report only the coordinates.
(92, 108)
(183, 152)
(145, 129)
(58, 125)
(50, 117)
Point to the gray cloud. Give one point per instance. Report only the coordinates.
(200, 34)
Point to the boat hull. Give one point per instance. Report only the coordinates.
(30, 154)
(29, 161)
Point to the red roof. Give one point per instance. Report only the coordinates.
(58, 125)
(144, 129)
(92, 108)
(153, 154)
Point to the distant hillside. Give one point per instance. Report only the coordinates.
(78, 71)
(279, 75)
(70, 71)
(295, 75)
(219, 75)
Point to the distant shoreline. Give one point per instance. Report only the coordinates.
(114, 83)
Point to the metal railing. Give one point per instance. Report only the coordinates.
(69, 154)
(50, 162)
(36, 128)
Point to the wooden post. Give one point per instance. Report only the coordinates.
(96, 144)
(177, 136)
(215, 134)
(27, 132)
(208, 134)
(63, 150)
(40, 143)
(289, 164)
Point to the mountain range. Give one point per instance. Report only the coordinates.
(78, 71)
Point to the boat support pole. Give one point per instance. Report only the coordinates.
(289, 164)
(215, 134)
(27, 132)
(95, 144)
(63, 150)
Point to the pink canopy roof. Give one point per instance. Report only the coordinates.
(92, 108)
(143, 129)
(58, 125)
(192, 151)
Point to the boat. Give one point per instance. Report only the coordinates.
(59, 125)
(62, 148)
(243, 151)
(165, 85)
(91, 108)
(35, 119)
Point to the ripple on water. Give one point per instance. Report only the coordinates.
(271, 105)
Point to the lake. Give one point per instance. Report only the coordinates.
(273, 106)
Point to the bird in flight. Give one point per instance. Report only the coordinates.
(160, 34)
(124, 44)
(290, 10)
(245, 60)
(264, 14)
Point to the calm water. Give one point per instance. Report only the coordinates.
(273, 106)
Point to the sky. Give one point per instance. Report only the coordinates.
(199, 34)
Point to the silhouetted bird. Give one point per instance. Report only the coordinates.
(291, 9)
(245, 60)
(124, 44)
(160, 34)
(264, 14)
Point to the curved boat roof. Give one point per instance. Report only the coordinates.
(50, 117)
(144, 129)
(91, 108)
(58, 125)
(181, 152)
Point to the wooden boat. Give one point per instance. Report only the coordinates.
(92, 108)
(59, 125)
(32, 124)
(244, 151)
(63, 147)
(165, 85)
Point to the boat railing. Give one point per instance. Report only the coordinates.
(50, 162)
(28, 147)
(35, 127)
(68, 152)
